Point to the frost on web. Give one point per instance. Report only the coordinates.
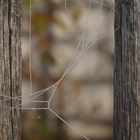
(78, 53)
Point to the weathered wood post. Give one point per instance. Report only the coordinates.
(126, 80)
(10, 67)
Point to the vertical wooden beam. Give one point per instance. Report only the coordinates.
(126, 70)
(10, 67)
(138, 43)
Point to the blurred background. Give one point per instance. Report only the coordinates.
(84, 97)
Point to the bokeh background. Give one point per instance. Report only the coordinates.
(84, 98)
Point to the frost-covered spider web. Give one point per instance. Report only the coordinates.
(83, 45)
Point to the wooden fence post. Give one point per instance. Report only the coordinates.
(10, 68)
(126, 80)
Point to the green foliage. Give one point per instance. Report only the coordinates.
(27, 2)
(44, 130)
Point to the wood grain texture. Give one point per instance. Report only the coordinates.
(138, 40)
(126, 80)
(10, 67)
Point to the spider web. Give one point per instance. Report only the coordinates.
(82, 47)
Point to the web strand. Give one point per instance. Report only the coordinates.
(66, 123)
(46, 89)
(30, 47)
(78, 50)
(82, 47)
